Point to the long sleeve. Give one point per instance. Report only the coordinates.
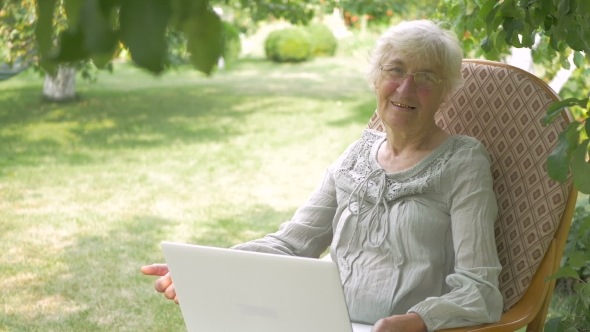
(309, 232)
(474, 297)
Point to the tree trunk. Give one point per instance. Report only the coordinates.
(563, 75)
(523, 59)
(62, 87)
(364, 23)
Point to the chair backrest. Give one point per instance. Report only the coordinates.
(502, 107)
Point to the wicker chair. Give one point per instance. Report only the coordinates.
(502, 107)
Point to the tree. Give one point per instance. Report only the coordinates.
(18, 30)
(61, 34)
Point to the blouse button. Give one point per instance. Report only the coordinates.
(354, 207)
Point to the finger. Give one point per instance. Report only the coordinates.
(155, 269)
(176, 299)
(379, 326)
(162, 283)
(170, 293)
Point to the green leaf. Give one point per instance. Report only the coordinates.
(512, 25)
(491, 20)
(469, 8)
(553, 325)
(143, 31)
(44, 25)
(99, 36)
(548, 22)
(573, 136)
(558, 162)
(583, 290)
(564, 61)
(578, 59)
(563, 8)
(500, 39)
(553, 42)
(555, 109)
(537, 17)
(528, 35)
(579, 287)
(547, 6)
(573, 7)
(486, 45)
(564, 271)
(574, 37)
(205, 40)
(71, 47)
(182, 10)
(509, 8)
(101, 60)
(486, 9)
(577, 259)
(581, 169)
(73, 8)
(497, 22)
(584, 227)
(44, 33)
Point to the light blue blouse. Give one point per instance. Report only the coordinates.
(421, 240)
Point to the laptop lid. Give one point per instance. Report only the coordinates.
(232, 290)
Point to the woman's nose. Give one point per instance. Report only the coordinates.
(407, 85)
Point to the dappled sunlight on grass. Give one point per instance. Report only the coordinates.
(47, 308)
(89, 189)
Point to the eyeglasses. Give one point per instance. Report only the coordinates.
(423, 80)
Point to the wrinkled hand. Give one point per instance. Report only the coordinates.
(164, 283)
(411, 322)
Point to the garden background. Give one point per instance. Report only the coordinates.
(90, 187)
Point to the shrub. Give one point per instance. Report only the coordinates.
(571, 300)
(323, 41)
(178, 53)
(233, 44)
(288, 45)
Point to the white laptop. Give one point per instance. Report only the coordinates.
(225, 290)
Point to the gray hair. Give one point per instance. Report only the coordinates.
(425, 41)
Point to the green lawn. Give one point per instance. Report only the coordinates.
(89, 189)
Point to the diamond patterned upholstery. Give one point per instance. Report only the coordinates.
(502, 107)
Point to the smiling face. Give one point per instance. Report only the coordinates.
(403, 106)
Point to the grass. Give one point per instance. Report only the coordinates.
(89, 189)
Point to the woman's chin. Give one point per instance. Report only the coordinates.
(397, 122)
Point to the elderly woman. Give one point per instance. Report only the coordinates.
(408, 213)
